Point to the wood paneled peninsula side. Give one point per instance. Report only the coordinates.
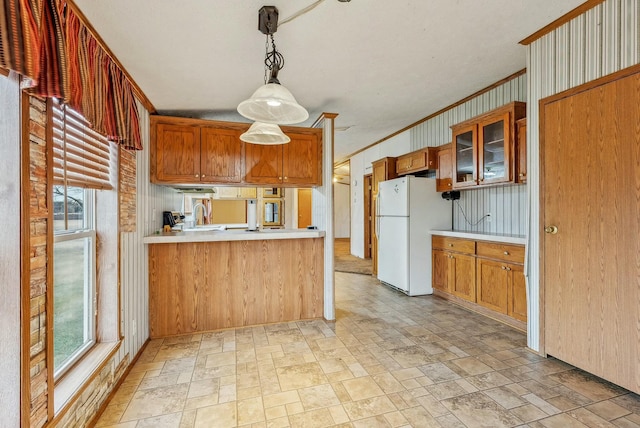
(201, 281)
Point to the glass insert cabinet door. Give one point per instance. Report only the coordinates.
(465, 155)
(494, 155)
(272, 213)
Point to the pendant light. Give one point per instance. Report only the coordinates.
(272, 103)
(264, 133)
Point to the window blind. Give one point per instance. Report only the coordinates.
(81, 156)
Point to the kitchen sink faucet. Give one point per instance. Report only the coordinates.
(204, 213)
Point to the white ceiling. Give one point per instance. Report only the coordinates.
(380, 64)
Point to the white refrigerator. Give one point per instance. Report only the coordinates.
(407, 208)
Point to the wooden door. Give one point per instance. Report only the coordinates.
(444, 173)
(462, 279)
(220, 155)
(440, 266)
(368, 215)
(301, 162)
(304, 208)
(262, 163)
(590, 151)
(492, 285)
(177, 153)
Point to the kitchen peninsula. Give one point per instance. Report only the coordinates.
(207, 280)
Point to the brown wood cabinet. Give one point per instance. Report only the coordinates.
(444, 173)
(453, 262)
(521, 152)
(194, 151)
(295, 163)
(484, 147)
(221, 153)
(417, 161)
(175, 154)
(383, 169)
(482, 275)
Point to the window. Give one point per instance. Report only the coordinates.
(81, 166)
(74, 275)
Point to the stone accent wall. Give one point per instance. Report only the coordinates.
(85, 407)
(38, 220)
(127, 189)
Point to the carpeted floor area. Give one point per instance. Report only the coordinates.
(345, 262)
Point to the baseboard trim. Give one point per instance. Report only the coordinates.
(474, 307)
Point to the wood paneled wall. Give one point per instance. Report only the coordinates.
(599, 42)
(151, 200)
(201, 286)
(507, 204)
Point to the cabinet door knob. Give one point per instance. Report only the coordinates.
(279, 178)
(506, 253)
(449, 184)
(203, 176)
(507, 268)
(502, 267)
(551, 230)
(197, 175)
(451, 245)
(521, 175)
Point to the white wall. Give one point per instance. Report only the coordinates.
(360, 165)
(341, 209)
(601, 41)
(10, 251)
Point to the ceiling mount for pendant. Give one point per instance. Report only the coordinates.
(268, 19)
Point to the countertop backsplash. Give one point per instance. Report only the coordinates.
(506, 204)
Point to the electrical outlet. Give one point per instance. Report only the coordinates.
(133, 327)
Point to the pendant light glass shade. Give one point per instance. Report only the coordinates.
(264, 133)
(273, 103)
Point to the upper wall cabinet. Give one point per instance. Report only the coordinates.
(190, 153)
(418, 161)
(444, 171)
(297, 163)
(175, 156)
(194, 151)
(484, 148)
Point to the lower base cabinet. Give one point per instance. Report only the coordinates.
(491, 276)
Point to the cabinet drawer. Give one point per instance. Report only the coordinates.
(506, 252)
(454, 244)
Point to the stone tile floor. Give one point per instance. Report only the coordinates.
(388, 361)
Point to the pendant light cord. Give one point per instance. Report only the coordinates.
(302, 12)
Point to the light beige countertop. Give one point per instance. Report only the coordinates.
(479, 236)
(231, 235)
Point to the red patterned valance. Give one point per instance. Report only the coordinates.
(46, 42)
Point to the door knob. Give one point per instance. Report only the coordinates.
(551, 229)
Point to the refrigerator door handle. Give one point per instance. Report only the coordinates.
(377, 231)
